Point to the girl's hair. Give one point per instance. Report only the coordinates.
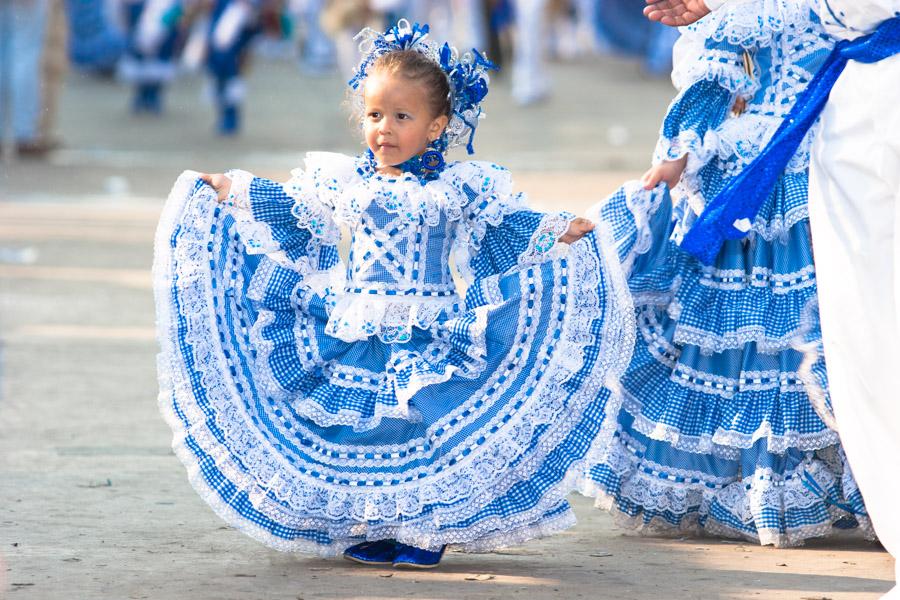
(417, 67)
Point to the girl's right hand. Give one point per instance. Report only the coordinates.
(218, 182)
(668, 171)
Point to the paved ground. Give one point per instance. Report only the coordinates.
(94, 505)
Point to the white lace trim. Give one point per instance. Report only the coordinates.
(656, 487)
(752, 23)
(544, 243)
(348, 515)
(311, 213)
(390, 318)
(694, 62)
(312, 410)
(739, 140)
(404, 195)
(331, 173)
(726, 443)
(688, 142)
(257, 236)
(709, 343)
(239, 194)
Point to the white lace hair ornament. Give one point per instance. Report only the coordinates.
(467, 74)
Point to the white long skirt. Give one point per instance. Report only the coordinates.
(855, 218)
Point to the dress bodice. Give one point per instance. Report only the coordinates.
(406, 230)
(392, 254)
(784, 65)
(763, 51)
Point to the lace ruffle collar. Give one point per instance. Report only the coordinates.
(350, 191)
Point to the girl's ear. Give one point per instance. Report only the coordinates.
(438, 124)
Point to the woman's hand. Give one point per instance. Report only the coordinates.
(668, 171)
(676, 13)
(578, 228)
(218, 182)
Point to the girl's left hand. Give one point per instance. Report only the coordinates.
(578, 228)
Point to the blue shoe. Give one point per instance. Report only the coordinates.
(382, 552)
(410, 557)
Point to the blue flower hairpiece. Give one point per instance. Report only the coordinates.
(467, 74)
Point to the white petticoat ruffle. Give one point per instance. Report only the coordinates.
(390, 318)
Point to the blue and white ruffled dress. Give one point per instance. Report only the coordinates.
(717, 432)
(317, 404)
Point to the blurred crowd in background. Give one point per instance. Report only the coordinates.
(146, 44)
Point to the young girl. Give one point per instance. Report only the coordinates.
(717, 432)
(367, 408)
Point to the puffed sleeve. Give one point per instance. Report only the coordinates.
(710, 75)
(289, 221)
(498, 231)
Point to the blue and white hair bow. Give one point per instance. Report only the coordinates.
(467, 74)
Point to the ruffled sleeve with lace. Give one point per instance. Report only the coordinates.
(762, 52)
(292, 223)
(497, 231)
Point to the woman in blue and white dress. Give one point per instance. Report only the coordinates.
(717, 433)
(320, 406)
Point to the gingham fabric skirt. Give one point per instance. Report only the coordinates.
(719, 430)
(482, 460)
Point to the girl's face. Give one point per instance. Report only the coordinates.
(398, 121)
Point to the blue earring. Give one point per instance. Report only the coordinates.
(432, 160)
